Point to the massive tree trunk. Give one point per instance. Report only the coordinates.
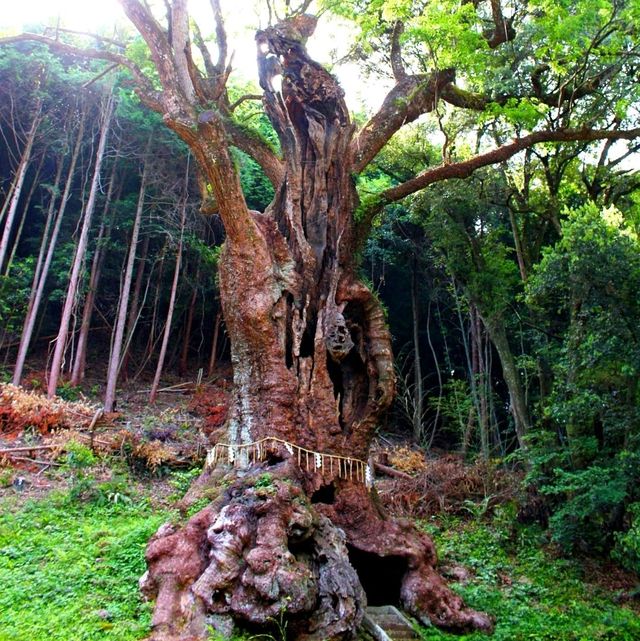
(297, 531)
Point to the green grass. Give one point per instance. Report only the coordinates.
(533, 595)
(69, 570)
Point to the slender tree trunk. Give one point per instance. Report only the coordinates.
(184, 356)
(472, 366)
(19, 182)
(61, 340)
(116, 350)
(517, 240)
(79, 363)
(44, 243)
(152, 339)
(137, 288)
(172, 302)
(438, 374)
(214, 344)
(418, 391)
(518, 406)
(25, 212)
(41, 273)
(7, 199)
(135, 304)
(479, 373)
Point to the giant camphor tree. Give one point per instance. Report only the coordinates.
(294, 530)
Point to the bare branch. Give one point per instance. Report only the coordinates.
(633, 149)
(239, 101)
(300, 9)
(95, 36)
(221, 36)
(204, 50)
(107, 70)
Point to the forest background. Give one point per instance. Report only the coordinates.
(513, 295)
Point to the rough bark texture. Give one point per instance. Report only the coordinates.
(312, 366)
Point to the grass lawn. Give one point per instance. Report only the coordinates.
(533, 594)
(69, 571)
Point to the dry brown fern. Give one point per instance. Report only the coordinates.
(22, 410)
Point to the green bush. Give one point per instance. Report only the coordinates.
(79, 456)
(533, 595)
(585, 454)
(627, 547)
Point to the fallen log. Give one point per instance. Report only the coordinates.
(390, 471)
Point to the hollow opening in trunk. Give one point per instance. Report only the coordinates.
(325, 494)
(335, 374)
(273, 458)
(306, 344)
(301, 548)
(380, 576)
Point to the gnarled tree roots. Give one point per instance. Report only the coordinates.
(268, 550)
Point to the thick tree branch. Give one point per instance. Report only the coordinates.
(464, 99)
(465, 168)
(253, 146)
(175, 102)
(187, 74)
(397, 65)
(416, 95)
(411, 97)
(144, 88)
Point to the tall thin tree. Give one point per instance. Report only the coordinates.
(172, 298)
(79, 362)
(19, 181)
(42, 268)
(72, 289)
(121, 321)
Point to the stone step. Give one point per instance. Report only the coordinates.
(387, 623)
